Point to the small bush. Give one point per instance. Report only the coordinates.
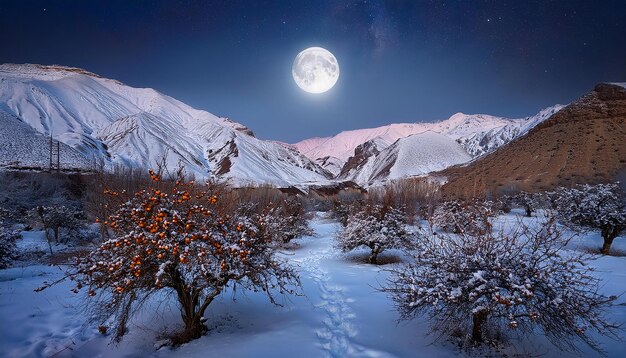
(530, 202)
(8, 249)
(55, 218)
(464, 216)
(285, 221)
(377, 227)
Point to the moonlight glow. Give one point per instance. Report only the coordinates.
(315, 70)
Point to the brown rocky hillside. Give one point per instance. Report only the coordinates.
(585, 142)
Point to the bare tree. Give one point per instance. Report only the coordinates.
(54, 218)
(413, 195)
(285, 221)
(530, 202)
(485, 285)
(601, 206)
(464, 216)
(378, 227)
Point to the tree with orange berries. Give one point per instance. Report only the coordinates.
(173, 236)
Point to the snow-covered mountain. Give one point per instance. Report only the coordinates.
(342, 145)
(477, 134)
(488, 140)
(107, 121)
(104, 121)
(415, 155)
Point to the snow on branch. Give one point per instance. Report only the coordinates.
(483, 284)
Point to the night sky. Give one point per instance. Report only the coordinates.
(401, 61)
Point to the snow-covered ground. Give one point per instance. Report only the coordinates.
(341, 314)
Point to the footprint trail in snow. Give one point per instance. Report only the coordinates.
(336, 336)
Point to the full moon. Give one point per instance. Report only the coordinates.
(315, 70)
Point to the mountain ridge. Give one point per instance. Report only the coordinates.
(472, 131)
(119, 124)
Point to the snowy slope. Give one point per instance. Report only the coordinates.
(477, 133)
(414, 155)
(332, 164)
(24, 148)
(119, 124)
(342, 145)
(484, 141)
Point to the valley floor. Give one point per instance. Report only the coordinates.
(341, 314)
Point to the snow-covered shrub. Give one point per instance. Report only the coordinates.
(503, 204)
(56, 217)
(520, 281)
(343, 209)
(14, 218)
(530, 202)
(177, 241)
(378, 227)
(601, 207)
(340, 211)
(464, 216)
(286, 221)
(8, 249)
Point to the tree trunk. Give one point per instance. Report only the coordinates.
(192, 311)
(529, 212)
(194, 329)
(477, 329)
(49, 242)
(608, 236)
(56, 234)
(374, 256)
